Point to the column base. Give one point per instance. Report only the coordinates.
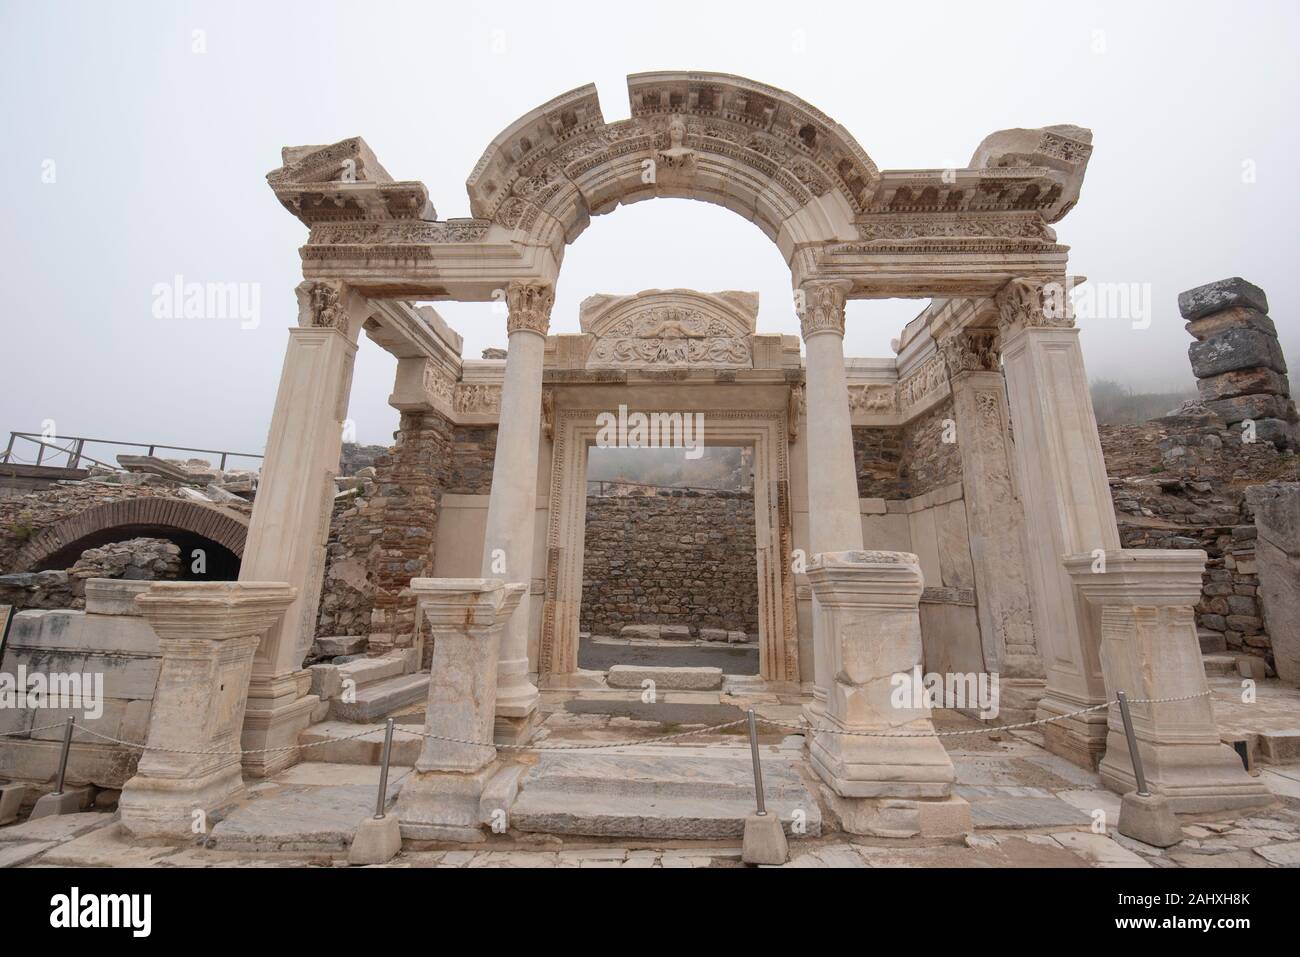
(1081, 740)
(443, 805)
(900, 818)
(507, 729)
(163, 808)
(1192, 778)
(277, 727)
(1018, 699)
(883, 767)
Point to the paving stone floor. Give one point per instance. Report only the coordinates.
(1030, 807)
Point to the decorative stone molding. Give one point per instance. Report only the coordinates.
(672, 328)
(478, 398)
(930, 376)
(823, 307)
(873, 399)
(1035, 302)
(323, 306)
(970, 350)
(530, 307)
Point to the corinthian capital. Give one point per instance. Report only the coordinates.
(822, 306)
(1035, 301)
(970, 350)
(321, 305)
(530, 306)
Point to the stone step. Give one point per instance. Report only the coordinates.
(1212, 642)
(664, 793)
(660, 794)
(1220, 664)
(665, 679)
(328, 680)
(659, 819)
(378, 699)
(329, 745)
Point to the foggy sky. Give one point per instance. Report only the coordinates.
(159, 156)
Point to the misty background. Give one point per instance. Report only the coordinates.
(131, 156)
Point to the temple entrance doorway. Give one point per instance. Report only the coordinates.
(670, 565)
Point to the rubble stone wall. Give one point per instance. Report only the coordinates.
(928, 462)
(671, 558)
(878, 455)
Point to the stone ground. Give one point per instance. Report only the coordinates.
(600, 654)
(1030, 808)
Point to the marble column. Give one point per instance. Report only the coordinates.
(291, 514)
(834, 515)
(885, 786)
(996, 518)
(1067, 503)
(508, 543)
(466, 618)
(1150, 651)
(207, 632)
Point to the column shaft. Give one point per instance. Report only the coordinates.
(290, 524)
(508, 541)
(1067, 502)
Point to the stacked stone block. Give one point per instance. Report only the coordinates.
(1238, 361)
(403, 513)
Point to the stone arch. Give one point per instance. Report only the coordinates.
(759, 151)
(130, 518)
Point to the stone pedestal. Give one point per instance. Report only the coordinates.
(1277, 552)
(1150, 650)
(208, 632)
(466, 618)
(508, 542)
(878, 785)
(290, 524)
(1068, 510)
(834, 516)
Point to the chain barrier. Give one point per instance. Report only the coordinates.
(658, 739)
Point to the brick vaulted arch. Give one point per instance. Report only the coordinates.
(135, 516)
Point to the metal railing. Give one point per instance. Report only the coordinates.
(75, 450)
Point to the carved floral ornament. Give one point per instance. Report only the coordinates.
(1035, 302)
(971, 350)
(325, 309)
(530, 307)
(820, 306)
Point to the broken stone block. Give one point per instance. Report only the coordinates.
(1236, 348)
(1243, 382)
(336, 645)
(713, 634)
(1217, 296)
(674, 633)
(640, 632)
(1258, 406)
(737, 637)
(152, 465)
(1211, 325)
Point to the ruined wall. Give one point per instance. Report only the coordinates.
(1180, 482)
(878, 455)
(672, 558)
(473, 450)
(928, 462)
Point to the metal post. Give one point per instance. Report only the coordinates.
(63, 756)
(758, 767)
(381, 798)
(1132, 746)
